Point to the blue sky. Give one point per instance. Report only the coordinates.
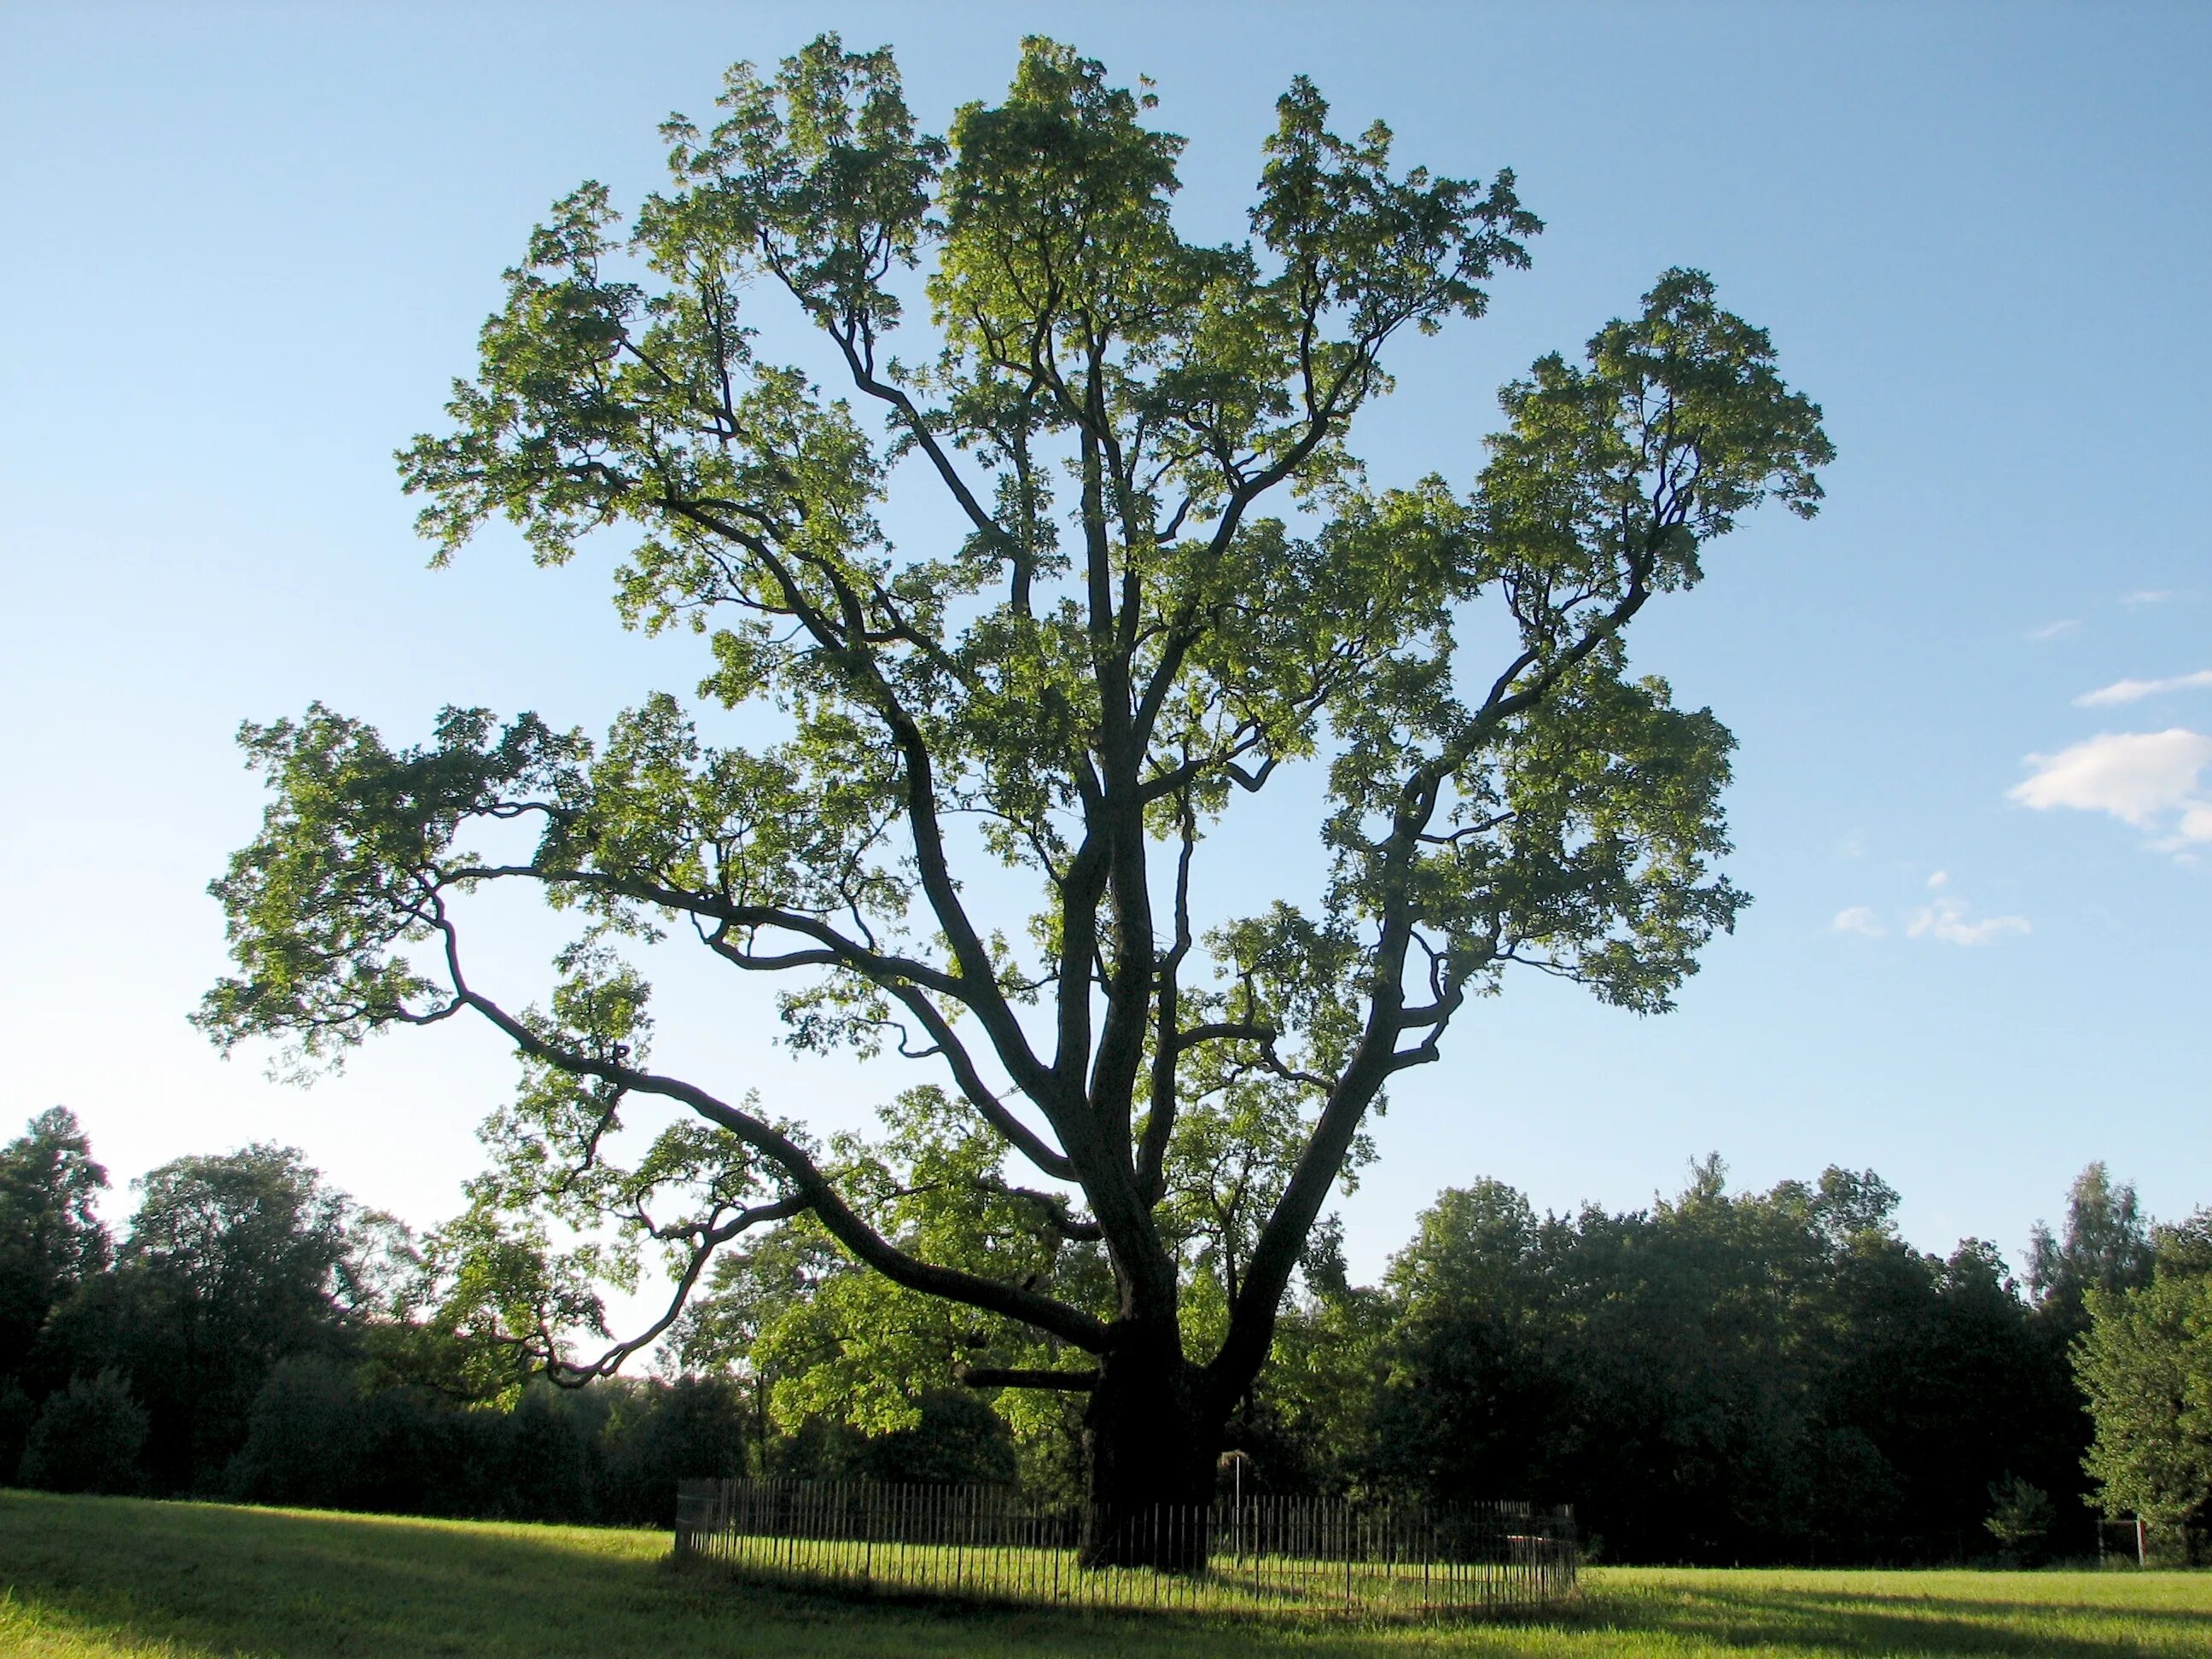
(1974, 792)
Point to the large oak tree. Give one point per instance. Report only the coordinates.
(1168, 583)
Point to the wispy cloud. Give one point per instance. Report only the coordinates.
(1947, 919)
(2054, 631)
(2147, 779)
(2155, 596)
(2136, 691)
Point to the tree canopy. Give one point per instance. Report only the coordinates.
(233, 1262)
(1169, 579)
(1724, 1376)
(2145, 1362)
(2105, 1245)
(51, 1240)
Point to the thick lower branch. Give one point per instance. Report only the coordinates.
(838, 1218)
(987, 1377)
(901, 977)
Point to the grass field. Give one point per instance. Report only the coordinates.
(1258, 1582)
(110, 1579)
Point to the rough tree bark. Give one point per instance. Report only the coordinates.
(1152, 1435)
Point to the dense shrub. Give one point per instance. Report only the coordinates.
(18, 1411)
(660, 1433)
(89, 1438)
(307, 1439)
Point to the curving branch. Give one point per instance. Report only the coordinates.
(568, 1373)
(1046, 1313)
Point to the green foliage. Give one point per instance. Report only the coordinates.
(328, 1435)
(1721, 1377)
(2146, 1366)
(2105, 1246)
(233, 1263)
(252, 1229)
(549, 1471)
(658, 1434)
(307, 1440)
(52, 1241)
(955, 1439)
(89, 1438)
(2019, 1518)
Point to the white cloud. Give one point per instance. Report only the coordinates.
(2137, 690)
(1946, 917)
(1947, 920)
(2055, 630)
(2153, 596)
(2148, 779)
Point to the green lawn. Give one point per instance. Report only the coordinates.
(103, 1578)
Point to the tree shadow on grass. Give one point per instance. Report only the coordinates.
(1841, 1620)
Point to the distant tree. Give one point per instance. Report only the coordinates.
(1169, 581)
(89, 1438)
(2146, 1367)
(231, 1265)
(1724, 1376)
(2105, 1246)
(429, 1455)
(18, 1411)
(1471, 1393)
(52, 1241)
(767, 1318)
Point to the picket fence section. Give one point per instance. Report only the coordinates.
(987, 1543)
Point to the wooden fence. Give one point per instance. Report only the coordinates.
(985, 1543)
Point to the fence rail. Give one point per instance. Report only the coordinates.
(984, 1543)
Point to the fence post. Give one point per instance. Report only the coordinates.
(1335, 1528)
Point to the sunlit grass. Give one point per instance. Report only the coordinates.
(109, 1578)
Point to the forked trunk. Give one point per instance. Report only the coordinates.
(1154, 1438)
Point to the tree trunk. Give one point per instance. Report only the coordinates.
(1153, 1436)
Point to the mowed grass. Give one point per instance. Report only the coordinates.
(1271, 1583)
(107, 1579)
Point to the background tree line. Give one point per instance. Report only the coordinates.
(1722, 1376)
